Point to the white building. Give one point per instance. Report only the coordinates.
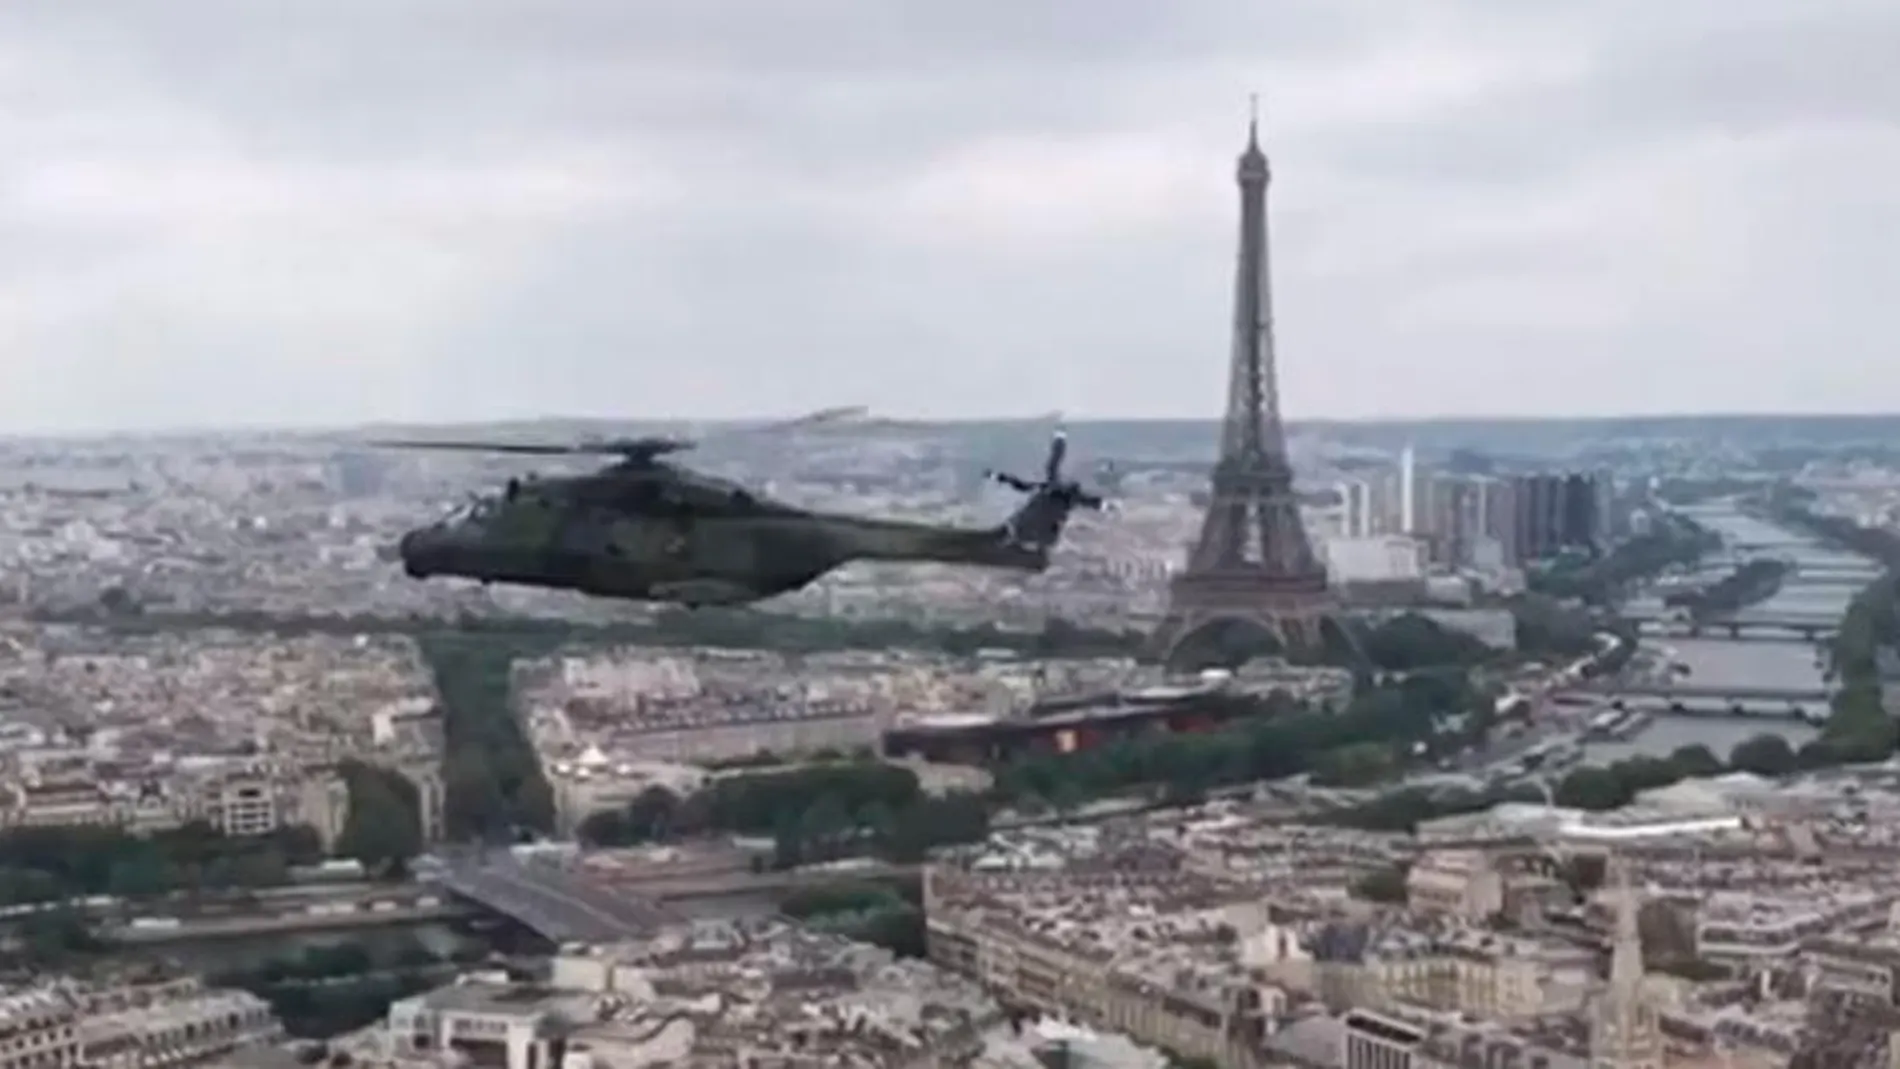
(1496, 628)
(39, 1030)
(1374, 559)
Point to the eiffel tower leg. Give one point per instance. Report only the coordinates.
(1294, 632)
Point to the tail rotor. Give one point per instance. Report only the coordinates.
(1038, 524)
(1052, 485)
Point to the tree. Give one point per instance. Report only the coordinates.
(384, 828)
(1354, 765)
(825, 828)
(652, 814)
(1764, 755)
(788, 843)
(608, 827)
(899, 930)
(473, 804)
(1582, 873)
(299, 843)
(1413, 641)
(1695, 762)
(1383, 885)
(51, 939)
(1066, 797)
(142, 875)
(259, 869)
(1593, 789)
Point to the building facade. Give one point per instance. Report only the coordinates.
(1221, 1019)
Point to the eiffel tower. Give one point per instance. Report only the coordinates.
(1252, 563)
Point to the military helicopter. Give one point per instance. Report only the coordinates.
(643, 529)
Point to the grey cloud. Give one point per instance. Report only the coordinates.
(783, 265)
(1654, 74)
(832, 87)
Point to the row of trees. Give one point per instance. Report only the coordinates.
(873, 913)
(1400, 644)
(813, 813)
(384, 828)
(722, 628)
(60, 939)
(492, 784)
(1755, 581)
(1547, 627)
(324, 991)
(818, 813)
(51, 864)
(1411, 641)
(1859, 727)
(1673, 541)
(1594, 788)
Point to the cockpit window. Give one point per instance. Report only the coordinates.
(476, 511)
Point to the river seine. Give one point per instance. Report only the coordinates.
(1719, 661)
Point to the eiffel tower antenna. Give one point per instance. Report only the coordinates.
(1252, 562)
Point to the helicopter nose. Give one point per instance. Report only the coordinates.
(420, 551)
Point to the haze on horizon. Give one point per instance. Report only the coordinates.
(217, 212)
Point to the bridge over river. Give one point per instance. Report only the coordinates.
(1744, 626)
(1806, 704)
(565, 904)
(1722, 692)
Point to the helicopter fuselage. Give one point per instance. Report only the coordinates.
(683, 556)
(646, 530)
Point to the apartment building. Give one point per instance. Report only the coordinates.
(1160, 992)
(1456, 970)
(1865, 969)
(241, 802)
(145, 1029)
(38, 1030)
(492, 1027)
(754, 992)
(1417, 1039)
(1373, 1040)
(170, 1025)
(1463, 884)
(1747, 929)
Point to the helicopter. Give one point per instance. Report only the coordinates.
(644, 529)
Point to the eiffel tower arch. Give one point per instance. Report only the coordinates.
(1252, 566)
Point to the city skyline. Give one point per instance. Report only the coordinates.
(607, 211)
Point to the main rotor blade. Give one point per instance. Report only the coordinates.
(1014, 482)
(1058, 449)
(615, 446)
(528, 449)
(824, 417)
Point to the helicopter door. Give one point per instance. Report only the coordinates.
(581, 538)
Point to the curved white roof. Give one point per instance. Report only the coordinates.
(1656, 830)
(953, 720)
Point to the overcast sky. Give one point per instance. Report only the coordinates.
(218, 212)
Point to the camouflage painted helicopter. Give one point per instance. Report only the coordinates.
(644, 529)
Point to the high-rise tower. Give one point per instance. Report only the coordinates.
(1408, 491)
(1252, 562)
(1624, 1032)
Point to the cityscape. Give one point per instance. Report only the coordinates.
(1451, 744)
